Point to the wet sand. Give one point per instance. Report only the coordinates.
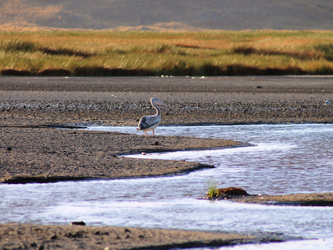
(25, 236)
(312, 199)
(33, 149)
(240, 195)
(47, 154)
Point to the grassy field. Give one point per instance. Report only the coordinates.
(144, 53)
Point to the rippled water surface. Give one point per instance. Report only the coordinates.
(296, 158)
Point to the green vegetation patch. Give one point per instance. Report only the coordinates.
(12, 46)
(326, 49)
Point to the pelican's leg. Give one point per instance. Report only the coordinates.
(153, 132)
(145, 133)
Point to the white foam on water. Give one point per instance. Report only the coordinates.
(193, 214)
(322, 244)
(194, 155)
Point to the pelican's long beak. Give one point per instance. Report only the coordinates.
(162, 104)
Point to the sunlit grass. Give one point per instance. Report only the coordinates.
(168, 53)
(213, 189)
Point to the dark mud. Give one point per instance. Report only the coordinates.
(312, 199)
(25, 236)
(239, 195)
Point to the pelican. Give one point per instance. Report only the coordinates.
(150, 122)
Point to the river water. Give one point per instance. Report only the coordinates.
(283, 159)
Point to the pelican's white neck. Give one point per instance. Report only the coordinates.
(158, 111)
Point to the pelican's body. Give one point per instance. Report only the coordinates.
(150, 122)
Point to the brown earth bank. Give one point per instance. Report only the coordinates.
(32, 149)
(42, 154)
(228, 70)
(240, 195)
(27, 236)
(312, 199)
(123, 100)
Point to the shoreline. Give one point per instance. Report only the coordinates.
(39, 154)
(31, 147)
(32, 236)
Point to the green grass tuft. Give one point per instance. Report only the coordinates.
(212, 189)
(326, 49)
(17, 45)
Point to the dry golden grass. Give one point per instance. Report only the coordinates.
(103, 53)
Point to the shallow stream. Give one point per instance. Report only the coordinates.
(284, 159)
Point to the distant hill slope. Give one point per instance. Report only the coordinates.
(168, 14)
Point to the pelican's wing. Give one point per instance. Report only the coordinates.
(147, 122)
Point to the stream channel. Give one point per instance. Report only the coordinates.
(284, 159)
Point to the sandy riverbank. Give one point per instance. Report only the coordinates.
(46, 154)
(122, 101)
(25, 236)
(33, 150)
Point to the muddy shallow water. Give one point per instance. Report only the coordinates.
(284, 159)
